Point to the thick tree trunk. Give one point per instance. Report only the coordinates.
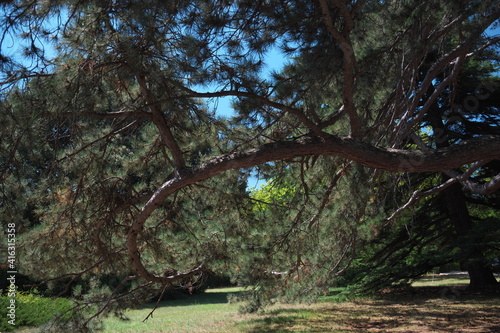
(473, 260)
(480, 274)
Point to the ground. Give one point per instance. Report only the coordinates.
(436, 303)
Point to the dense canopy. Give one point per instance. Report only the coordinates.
(132, 130)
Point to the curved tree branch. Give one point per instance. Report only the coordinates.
(418, 195)
(483, 148)
(482, 189)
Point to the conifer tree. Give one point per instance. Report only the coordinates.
(460, 223)
(114, 161)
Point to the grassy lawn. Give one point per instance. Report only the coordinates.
(208, 312)
(442, 280)
(438, 304)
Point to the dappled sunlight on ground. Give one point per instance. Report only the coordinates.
(422, 315)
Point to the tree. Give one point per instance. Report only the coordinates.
(134, 168)
(459, 223)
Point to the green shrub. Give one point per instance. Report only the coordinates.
(32, 310)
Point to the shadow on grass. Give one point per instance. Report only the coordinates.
(283, 320)
(195, 299)
(422, 310)
(378, 319)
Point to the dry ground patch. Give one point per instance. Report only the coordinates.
(391, 313)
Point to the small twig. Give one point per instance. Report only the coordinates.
(105, 137)
(157, 302)
(418, 195)
(328, 192)
(110, 298)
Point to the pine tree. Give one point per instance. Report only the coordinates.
(121, 166)
(460, 223)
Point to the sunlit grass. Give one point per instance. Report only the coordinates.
(438, 303)
(433, 280)
(443, 307)
(209, 312)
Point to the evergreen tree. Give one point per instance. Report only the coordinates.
(120, 166)
(461, 222)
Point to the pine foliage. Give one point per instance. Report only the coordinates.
(123, 179)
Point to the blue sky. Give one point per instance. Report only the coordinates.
(275, 60)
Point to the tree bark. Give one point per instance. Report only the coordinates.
(473, 260)
(398, 160)
(480, 274)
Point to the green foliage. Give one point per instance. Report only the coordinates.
(269, 194)
(111, 150)
(304, 236)
(34, 310)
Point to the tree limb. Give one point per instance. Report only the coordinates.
(97, 115)
(483, 189)
(285, 108)
(476, 188)
(418, 195)
(397, 160)
(161, 124)
(349, 61)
